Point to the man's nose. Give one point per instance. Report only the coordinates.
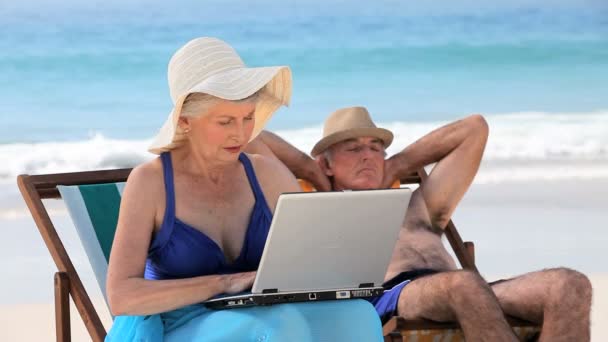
(367, 152)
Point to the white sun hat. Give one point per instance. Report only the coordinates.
(210, 66)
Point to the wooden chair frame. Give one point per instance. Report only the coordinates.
(67, 282)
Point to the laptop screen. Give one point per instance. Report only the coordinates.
(331, 240)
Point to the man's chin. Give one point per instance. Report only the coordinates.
(366, 185)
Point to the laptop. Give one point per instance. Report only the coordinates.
(325, 246)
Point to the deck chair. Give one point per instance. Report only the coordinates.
(93, 198)
(102, 190)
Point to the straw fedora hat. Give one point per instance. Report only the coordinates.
(349, 123)
(210, 66)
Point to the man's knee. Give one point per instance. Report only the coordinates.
(465, 285)
(567, 282)
(465, 279)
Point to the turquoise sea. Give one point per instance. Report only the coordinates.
(79, 75)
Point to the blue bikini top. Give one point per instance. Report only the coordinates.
(181, 251)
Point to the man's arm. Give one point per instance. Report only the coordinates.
(298, 162)
(457, 149)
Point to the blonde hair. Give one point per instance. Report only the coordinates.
(197, 104)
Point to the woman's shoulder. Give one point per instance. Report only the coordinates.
(263, 163)
(272, 173)
(146, 177)
(269, 167)
(141, 199)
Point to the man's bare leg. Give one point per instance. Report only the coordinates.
(461, 296)
(559, 298)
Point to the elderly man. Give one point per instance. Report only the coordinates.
(422, 280)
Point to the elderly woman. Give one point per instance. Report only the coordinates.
(193, 223)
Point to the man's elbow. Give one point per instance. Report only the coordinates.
(479, 126)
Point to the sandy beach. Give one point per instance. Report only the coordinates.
(517, 227)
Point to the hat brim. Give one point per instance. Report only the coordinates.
(383, 134)
(234, 84)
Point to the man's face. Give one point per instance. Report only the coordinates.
(356, 164)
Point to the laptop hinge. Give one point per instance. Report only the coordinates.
(270, 290)
(365, 285)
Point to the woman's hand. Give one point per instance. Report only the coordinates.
(238, 282)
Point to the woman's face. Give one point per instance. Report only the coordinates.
(222, 133)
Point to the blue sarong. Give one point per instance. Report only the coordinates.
(349, 320)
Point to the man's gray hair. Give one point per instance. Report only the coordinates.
(328, 155)
(197, 104)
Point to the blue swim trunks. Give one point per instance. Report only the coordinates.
(386, 304)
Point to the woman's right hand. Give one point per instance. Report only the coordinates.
(238, 282)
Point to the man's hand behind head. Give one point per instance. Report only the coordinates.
(391, 173)
(316, 176)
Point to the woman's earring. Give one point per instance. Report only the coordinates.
(186, 130)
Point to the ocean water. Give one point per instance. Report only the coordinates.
(89, 77)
